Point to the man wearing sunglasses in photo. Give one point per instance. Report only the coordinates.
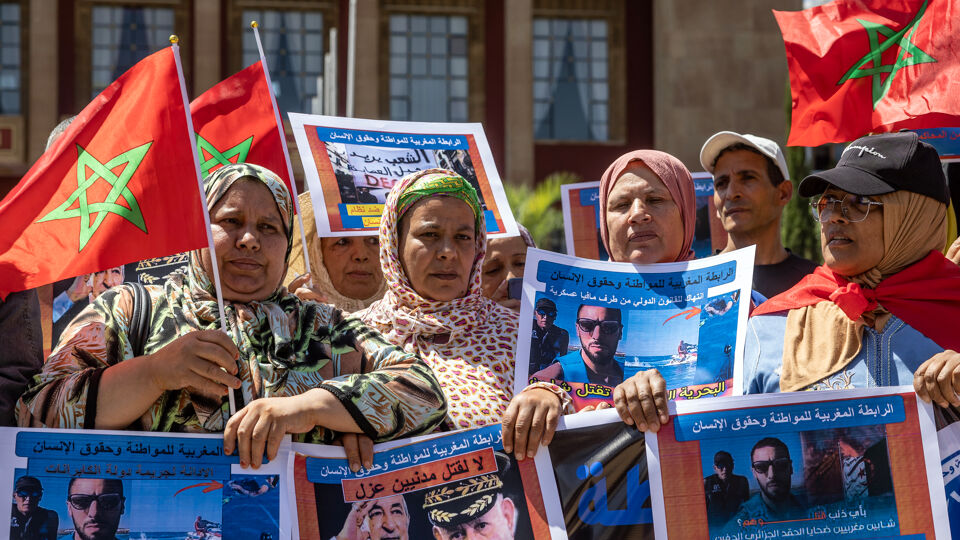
(95, 505)
(599, 330)
(27, 520)
(547, 341)
(772, 468)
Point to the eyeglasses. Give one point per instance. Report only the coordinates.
(544, 312)
(105, 501)
(853, 207)
(780, 466)
(23, 494)
(606, 327)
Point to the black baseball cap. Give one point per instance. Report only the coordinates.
(546, 303)
(884, 163)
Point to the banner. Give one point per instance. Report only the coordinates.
(351, 165)
(588, 325)
(945, 140)
(143, 485)
(444, 487)
(594, 479)
(949, 438)
(581, 219)
(838, 464)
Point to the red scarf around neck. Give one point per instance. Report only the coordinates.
(925, 295)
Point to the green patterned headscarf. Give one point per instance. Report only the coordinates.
(433, 182)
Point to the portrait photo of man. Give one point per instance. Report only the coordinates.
(28, 520)
(725, 491)
(599, 330)
(472, 509)
(378, 519)
(772, 468)
(548, 341)
(95, 505)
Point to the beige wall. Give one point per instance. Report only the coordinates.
(718, 65)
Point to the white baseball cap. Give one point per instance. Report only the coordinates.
(720, 141)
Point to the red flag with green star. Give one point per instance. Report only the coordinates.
(235, 123)
(866, 66)
(120, 185)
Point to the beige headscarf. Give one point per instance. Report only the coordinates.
(821, 340)
(318, 270)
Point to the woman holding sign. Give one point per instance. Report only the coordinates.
(881, 311)
(432, 245)
(648, 215)
(177, 376)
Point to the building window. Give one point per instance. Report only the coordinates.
(9, 59)
(122, 36)
(571, 94)
(293, 46)
(428, 68)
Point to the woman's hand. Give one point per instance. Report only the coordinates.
(953, 252)
(530, 422)
(938, 379)
(260, 426)
(359, 449)
(641, 400)
(302, 287)
(204, 361)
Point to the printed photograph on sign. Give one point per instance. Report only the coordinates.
(581, 217)
(948, 434)
(845, 464)
(597, 467)
(103, 484)
(352, 164)
(590, 325)
(448, 487)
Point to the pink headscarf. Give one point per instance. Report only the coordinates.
(673, 174)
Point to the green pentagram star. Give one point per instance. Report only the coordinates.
(217, 158)
(130, 160)
(908, 55)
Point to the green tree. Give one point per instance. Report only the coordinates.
(538, 209)
(799, 231)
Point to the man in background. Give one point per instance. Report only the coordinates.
(751, 187)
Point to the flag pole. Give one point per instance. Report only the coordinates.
(286, 153)
(174, 40)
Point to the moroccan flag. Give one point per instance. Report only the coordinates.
(863, 66)
(120, 185)
(235, 123)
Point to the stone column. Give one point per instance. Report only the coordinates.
(207, 39)
(518, 81)
(366, 90)
(43, 84)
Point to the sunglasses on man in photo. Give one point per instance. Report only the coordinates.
(606, 327)
(105, 501)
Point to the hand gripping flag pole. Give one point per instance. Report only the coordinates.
(286, 153)
(174, 40)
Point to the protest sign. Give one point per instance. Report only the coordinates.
(145, 485)
(949, 438)
(685, 319)
(594, 480)
(581, 219)
(351, 165)
(945, 140)
(840, 464)
(448, 486)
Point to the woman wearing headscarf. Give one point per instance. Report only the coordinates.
(432, 245)
(647, 215)
(881, 309)
(345, 271)
(505, 260)
(275, 347)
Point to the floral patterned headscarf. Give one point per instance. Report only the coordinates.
(467, 341)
